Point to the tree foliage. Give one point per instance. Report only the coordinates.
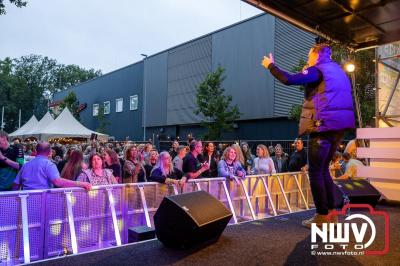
(71, 102)
(214, 106)
(17, 3)
(29, 82)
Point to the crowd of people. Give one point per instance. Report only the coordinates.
(42, 165)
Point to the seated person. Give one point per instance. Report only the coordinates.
(229, 167)
(350, 166)
(335, 166)
(164, 171)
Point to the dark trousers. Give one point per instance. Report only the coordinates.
(321, 148)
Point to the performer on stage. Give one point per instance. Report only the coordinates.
(326, 113)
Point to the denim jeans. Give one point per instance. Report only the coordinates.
(321, 148)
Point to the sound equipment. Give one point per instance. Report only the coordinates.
(190, 219)
(140, 233)
(356, 191)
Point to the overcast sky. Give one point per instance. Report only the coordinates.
(108, 35)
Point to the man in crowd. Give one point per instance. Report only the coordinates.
(280, 160)
(191, 164)
(178, 160)
(11, 160)
(41, 173)
(298, 159)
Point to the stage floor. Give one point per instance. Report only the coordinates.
(273, 241)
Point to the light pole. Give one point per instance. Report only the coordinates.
(144, 96)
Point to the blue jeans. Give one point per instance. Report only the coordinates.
(321, 148)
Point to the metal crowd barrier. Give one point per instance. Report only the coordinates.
(39, 224)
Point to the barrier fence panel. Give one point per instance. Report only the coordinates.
(41, 224)
(80, 221)
(21, 232)
(259, 193)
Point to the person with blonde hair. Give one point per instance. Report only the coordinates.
(165, 172)
(239, 153)
(263, 163)
(229, 166)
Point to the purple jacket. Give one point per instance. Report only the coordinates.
(328, 102)
(328, 106)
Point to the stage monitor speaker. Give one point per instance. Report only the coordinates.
(357, 190)
(190, 219)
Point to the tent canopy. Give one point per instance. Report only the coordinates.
(32, 122)
(357, 24)
(46, 120)
(66, 126)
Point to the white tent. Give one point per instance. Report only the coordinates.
(66, 126)
(46, 120)
(32, 122)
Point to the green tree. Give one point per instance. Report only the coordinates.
(72, 103)
(214, 106)
(102, 120)
(17, 3)
(29, 82)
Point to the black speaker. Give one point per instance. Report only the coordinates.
(190, 219)
(357, 191)
(140, 233)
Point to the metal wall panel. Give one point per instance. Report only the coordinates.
(291, 45)
(188, 65)
(121, 83)
(239, 50)
(155, 72)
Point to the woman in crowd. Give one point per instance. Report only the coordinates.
(248, 157)
(229, 166)
(263, 164)
(165, 172)
(97, 175)
(111, 161)
(150, 161)
(239, 153)
(133, 168)
(147, 149)
(73, 168)
(61, 164)
(210, 156)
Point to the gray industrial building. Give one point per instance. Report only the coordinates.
(159, 92)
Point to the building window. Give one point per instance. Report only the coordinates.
(119, 105)
(95, 109)
(107, 107)
(134, 102)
